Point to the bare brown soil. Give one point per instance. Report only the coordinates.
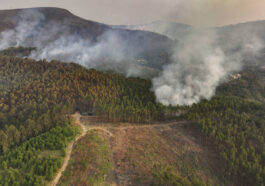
(138, 150)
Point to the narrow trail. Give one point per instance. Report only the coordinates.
(76, 118)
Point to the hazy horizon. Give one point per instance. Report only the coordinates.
(203, 13)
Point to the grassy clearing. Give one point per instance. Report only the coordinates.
(90, 162)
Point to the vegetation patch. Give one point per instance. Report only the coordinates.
(234, 122)
(160, 155)
(30, 163)
(90, 162)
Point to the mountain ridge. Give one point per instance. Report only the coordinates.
(47, 27)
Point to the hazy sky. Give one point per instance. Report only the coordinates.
(194, 12)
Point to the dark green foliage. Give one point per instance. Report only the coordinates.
(250, 85)
(23, 164)
(237, 128)
(235, 122)
(110, 96)
(28, 121)
(36, 97)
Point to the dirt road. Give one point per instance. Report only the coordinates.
(69, 149)
(85, 128)
(76, 117)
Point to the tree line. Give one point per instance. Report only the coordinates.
(236, 127)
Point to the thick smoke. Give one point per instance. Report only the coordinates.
(200, 64)
(201, 60)
(24, 32)
(53, 42)
(198, 67)
(109, 53)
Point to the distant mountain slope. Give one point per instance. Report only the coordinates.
(175, 30)
(169, 29)
(254, 28)
(11, 18)
(249, 36)
(58, 34)
(134, 50)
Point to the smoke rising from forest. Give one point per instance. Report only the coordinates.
(200, 62)
(55, 42)
(199, 65)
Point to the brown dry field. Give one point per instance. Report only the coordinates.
(139, 151)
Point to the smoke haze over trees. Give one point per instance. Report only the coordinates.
(184, 71)
(37, 96)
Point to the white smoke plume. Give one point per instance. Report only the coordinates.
(201, 60)
(21, 34)
(198, 68)
(199, 65)
(54, 42)
(108, 53)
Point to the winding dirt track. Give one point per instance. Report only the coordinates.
(76, 117)
(69, 149)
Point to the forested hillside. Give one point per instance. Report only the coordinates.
(37, 96)
(35, 161)
(35, 100)
(235, 122)
(46, 27)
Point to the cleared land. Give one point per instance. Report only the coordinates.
(126, 154)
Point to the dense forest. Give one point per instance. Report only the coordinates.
(33, 162)
(235, 122)
(109, 95)
(36, 97)
(35, 94)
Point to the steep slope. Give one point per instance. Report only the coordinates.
(247, 40)
(37, 95)
(10, 19)
(58, 34)
(248, 37)
(35, 99)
